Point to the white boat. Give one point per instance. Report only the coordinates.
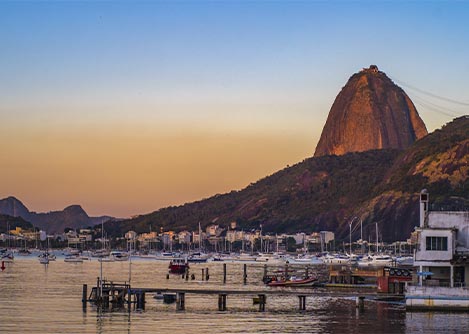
(46, 257)
(6, 255)
(167, 256)
(405, 260)
(101, 253)
(73, 258)
(336, 259)
(119, 256)
(305, 260)
(44, 260)
(380, 260)
(271, 258)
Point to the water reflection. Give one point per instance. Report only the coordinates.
(35, 299)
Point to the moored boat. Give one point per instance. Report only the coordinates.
(178, 266)
(73, 259)
(292, 281)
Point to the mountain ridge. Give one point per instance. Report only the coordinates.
(323, 193)
(73, 216)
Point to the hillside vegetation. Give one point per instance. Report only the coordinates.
(324, 193)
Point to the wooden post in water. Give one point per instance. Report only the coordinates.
(180, 301)
(129, 298)
(84, 296)
(245, 275)
(224, 272)
(140, 296)
(222, 302)
(207, 276)
(360, 303)
(99, 290)
(262, 301)
(302, 300)
(203, 274)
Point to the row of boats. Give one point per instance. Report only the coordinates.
(366, 260)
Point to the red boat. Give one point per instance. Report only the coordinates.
(178, 266)
(292, 281)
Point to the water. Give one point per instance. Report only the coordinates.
(35, 298)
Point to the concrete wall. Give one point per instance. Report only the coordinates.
(448, 219)
(423, 255)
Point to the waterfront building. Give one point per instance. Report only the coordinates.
(442, 259)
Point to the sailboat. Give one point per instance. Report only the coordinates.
(46, 257)
(6, 255)
(377, 260)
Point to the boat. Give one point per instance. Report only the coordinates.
(6, 255)
(198, 258)
(24, 252)
(291, 281)
(380, 260)
(101, 253)
(119, 256)
(271, 258)
(73, 259)
(44, 259)
(336, 259)
(305, 260)
(178, 266)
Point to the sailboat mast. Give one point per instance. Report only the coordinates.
(377, 242)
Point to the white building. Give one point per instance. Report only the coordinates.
(443, 246)
(442, 258)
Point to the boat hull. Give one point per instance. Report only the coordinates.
(293, 283)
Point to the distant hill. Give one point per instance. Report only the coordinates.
(12, 223)
(54, 221)
(323, 193)
(370, 112)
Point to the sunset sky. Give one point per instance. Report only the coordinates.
(125, 107)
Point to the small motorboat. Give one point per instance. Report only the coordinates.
(178, 266)
(292, 281)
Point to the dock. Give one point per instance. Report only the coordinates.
(110, 294)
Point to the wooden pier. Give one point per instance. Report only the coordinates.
(110, 294)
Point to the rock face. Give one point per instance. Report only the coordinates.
(370, 112)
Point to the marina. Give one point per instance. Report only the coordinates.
(30, 293)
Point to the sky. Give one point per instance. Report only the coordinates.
(125, 107)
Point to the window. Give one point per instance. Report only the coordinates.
(437, 243)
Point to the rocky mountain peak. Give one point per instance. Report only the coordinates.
(370, 112)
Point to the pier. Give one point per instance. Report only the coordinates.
(110, 294)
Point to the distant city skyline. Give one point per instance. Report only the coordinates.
(125, 107)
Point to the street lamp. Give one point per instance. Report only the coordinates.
(350, 241)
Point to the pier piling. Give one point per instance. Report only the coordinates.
(224, 272)
(245, 275)
(262, 301)
(360, 303)
(181, 301)
(84, 295)
(302, 301)
(222, 302)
